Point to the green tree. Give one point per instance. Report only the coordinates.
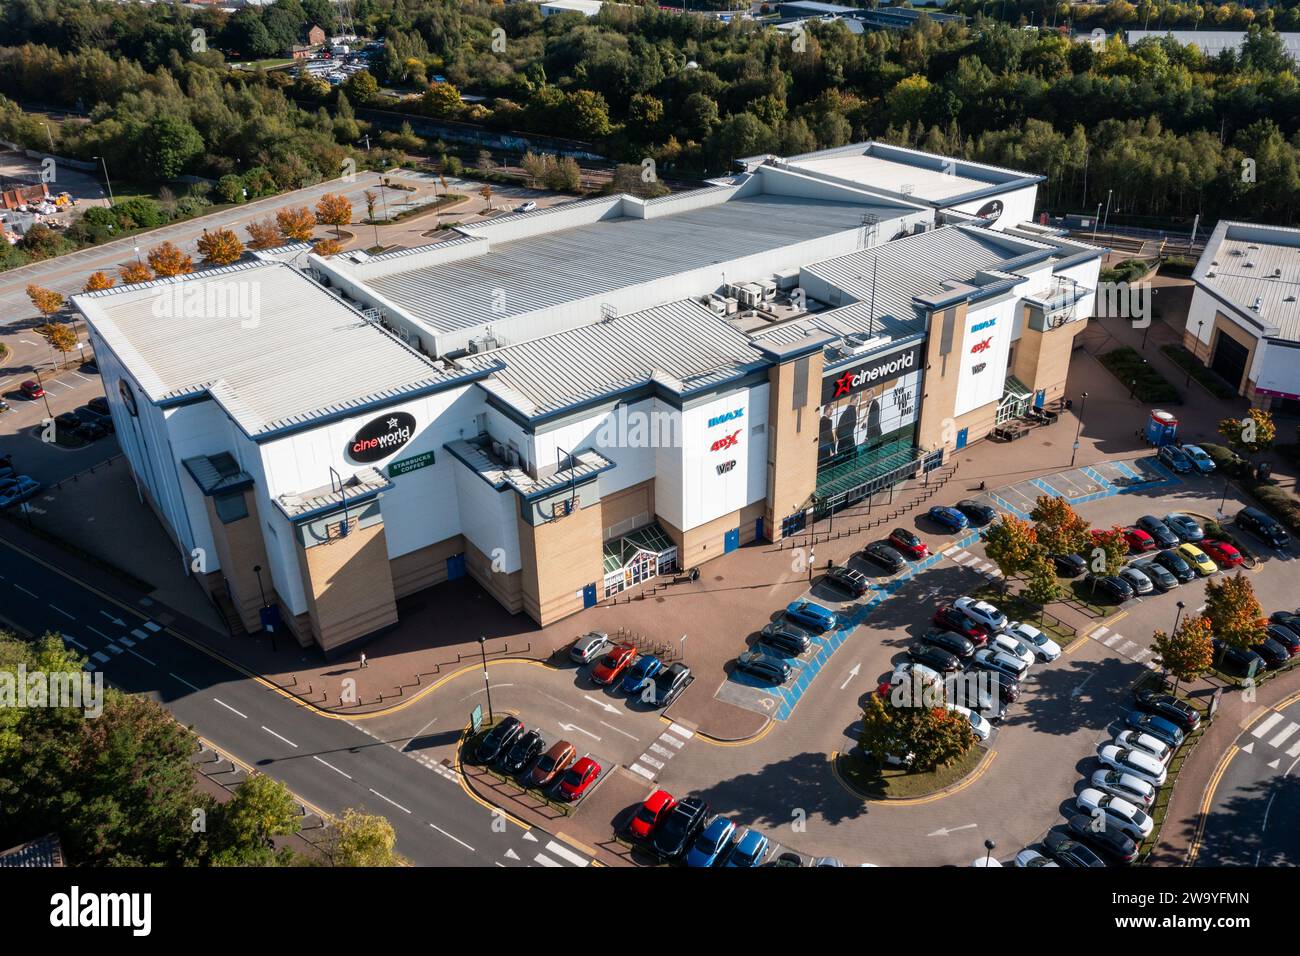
(1057, 526)
(441, 99)
(361, 839)
(246, 826)
(361, 87)
(170, 145)
(1042, 587)
(1011, 544)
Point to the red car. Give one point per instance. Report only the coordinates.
(1138, 540)
(1220, 552)
(657, 806)
(578, 778)
(613, 664)
(905, 541)
(32, 390)
(951, 619)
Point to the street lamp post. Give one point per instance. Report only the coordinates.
(1083, 403)
(107, 182)
(1106, 224)
(1178, 614)
(1188, 383)
(989, 847)
(257, 569)
(44, 396)
(487, 685)
(1096, 221)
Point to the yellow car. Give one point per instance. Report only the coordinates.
(1198, 559)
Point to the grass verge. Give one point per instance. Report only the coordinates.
(873, 781)
(1188, 363)
(1136, 374)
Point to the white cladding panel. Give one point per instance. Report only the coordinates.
(984, 355)
(626, 434)
(714, 435)
(1017, 206)
(1277, 368)
(488, 517)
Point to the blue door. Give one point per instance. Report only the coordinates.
(758, 530)
(589, 596)
(456, 567)
(961, 438)
(1039, 397)
(731, 541)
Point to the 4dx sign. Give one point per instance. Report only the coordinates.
(728, 441)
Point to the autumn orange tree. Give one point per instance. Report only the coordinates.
(133, 272)
(1187, 653)
(333, 210)
(167, 260)
(1254, 433)
(1108, 550)
(328, 247)
(1234, 613)
(61, 337)
(933, 735)
(47, 301)
(1058, 526)
(263, 234)
(98, 281)
(220, 247)
(1012, 545)
(295, 224)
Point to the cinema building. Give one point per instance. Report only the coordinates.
(565, 403)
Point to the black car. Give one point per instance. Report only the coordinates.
(1288, 635)
(934, 657)
(498, 739)
(671, 838)
(67, 420)
(1070, 852)
(976, 513)
(90, 431)
(670, 682)
(1070, 565)
(1111, 841)
(1162, 534)
(89, 416)
(764, 666)
(1175, 564)
(883, 556)
(1111, 587)
(952, 643)
(786, 637)
(1158, 574)
(1274, 654)
(523, 752)
(1236, 657)
(847, 580)
(98, 404)
(1169, 707)
(1263, 526)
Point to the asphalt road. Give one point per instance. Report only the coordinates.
(332, 764)
(1254, 817)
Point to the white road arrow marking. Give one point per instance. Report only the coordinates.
(1078, 691)
(857, 669)
(602, 703)
(944, 831)
(116, 620)
(572, 727)
(1249, 748)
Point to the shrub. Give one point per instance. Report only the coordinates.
(1129, 367)
(1285, 506)
(1226, 460)
(1187, 361)
(139, 212)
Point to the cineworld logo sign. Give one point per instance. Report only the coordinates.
(726, 466)
(730, 441)
(881, 370)
(381, 437)
(730, 416)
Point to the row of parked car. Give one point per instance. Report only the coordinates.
(684, 831)
(15, 488)
(1170, 551)
(1114, 810)
(90, 422)
(641, 676)
(514, 749)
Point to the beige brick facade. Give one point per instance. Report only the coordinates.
(792, 428)
(349, 586)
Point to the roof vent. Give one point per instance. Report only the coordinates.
(1259, 302)
(1289, 298)
(1277, 273)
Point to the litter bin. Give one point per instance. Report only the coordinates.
(1263, 470)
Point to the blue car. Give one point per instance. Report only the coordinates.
(949, 518)
(1160, 728)
(712, 841)
(749, 850)
(1175, 458)
(1200, 458)
(812, 616)
(641, 673)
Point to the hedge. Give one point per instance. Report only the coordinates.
(1128, 366)
(1282, 504)
(1189, 363)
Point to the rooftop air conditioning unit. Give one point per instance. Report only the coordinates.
(717, 304)
(499, 450)
(512, 457)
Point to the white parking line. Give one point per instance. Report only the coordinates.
(671, 741)
(229, 708)
(331, 766)
(661, 751)
(143, 658)
(387, 800)
(70, 617)
(278, 737)
(27, 592)
(1269, 723)
(681, 731)
(657, 764)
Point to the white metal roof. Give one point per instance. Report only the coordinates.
(682, 345)
(1211, 42)
(1256, 269)
(270, 345)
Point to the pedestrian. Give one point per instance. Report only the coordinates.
(363, 659)
(981, 486)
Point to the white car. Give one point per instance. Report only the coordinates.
(1125, 785)
(982, 612)
(1000, 662)
(904, 671)
(1032, 858)
(1043, 646)
(1118, 812)
(526, 207)
(1135, 763)
(1135, 740)
(1007, 643)
(982, 728)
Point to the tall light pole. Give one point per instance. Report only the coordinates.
(1199, 325)
(1177, 615)
(107, 182)
(487, 685)
(989, 846)
(1083, 403)
(1096, 222)
(1106, 224)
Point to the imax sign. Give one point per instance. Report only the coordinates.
(986, 324)
(730, 416)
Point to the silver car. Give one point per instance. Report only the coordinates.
(1124, 785)
(1139, 582)
(588, 647)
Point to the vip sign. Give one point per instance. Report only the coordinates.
(726, 466)
(381, 437)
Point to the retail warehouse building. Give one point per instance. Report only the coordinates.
(565, 403)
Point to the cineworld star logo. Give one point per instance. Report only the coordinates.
(728, 442)
(979, 347)
(726, 466)
(380, 437)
